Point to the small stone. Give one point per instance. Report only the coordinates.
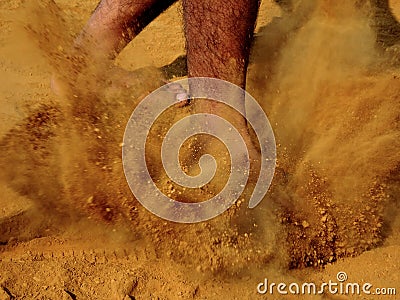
(89, 200)
(305, 224)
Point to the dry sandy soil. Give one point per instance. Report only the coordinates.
(70, 227)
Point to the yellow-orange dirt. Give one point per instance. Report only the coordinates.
(69, 225)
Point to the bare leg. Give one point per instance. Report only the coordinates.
(218, 40)
(219, 34)
(385, 23)
(114, 23)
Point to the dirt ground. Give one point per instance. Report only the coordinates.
(70, 227)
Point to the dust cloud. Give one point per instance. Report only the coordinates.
(333, 103)
(331, 93)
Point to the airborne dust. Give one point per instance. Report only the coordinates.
(330, 92)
